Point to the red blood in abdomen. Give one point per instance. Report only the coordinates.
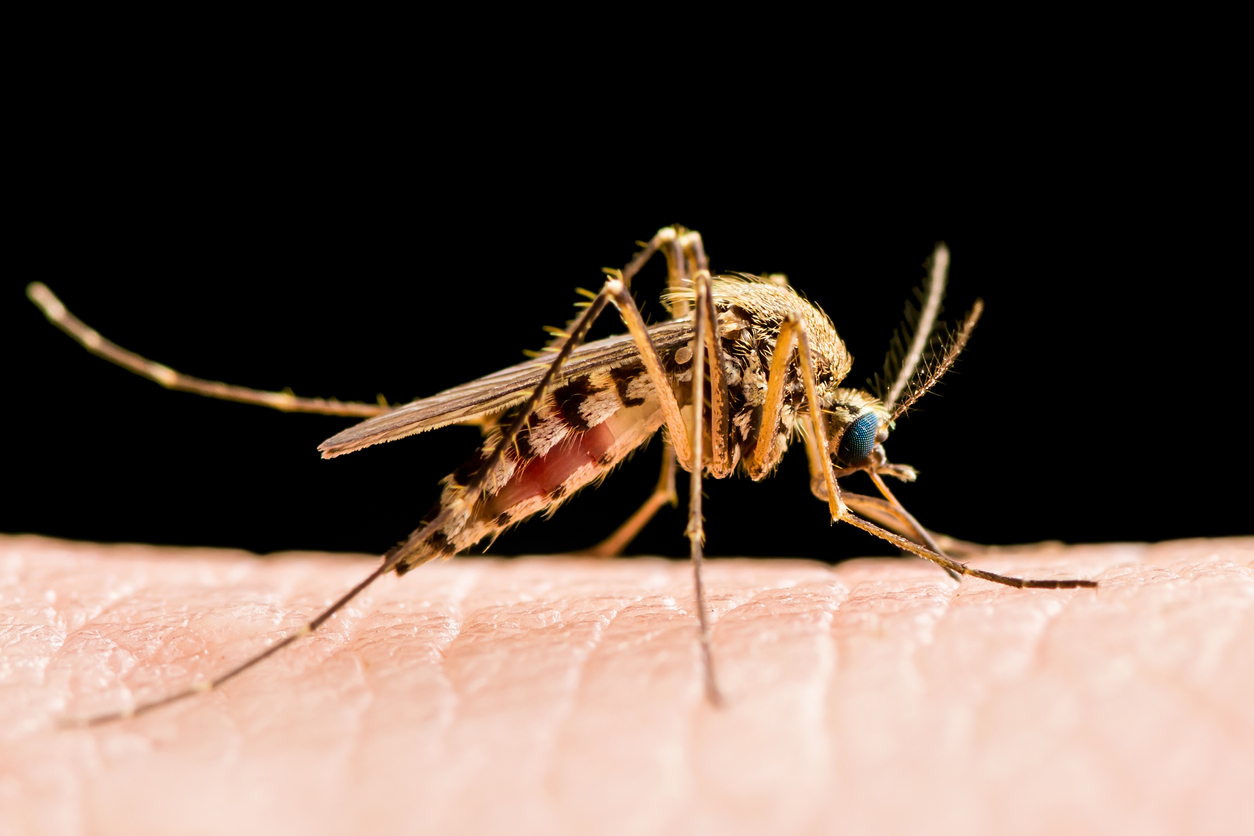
(541, 476)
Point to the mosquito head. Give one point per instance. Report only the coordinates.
(857, 427)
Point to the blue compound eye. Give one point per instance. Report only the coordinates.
(859, 439)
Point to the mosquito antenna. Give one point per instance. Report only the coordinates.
(921, 322)
(932, 373)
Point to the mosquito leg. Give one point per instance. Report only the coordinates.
(891, 514)
(667, 237)
(796, 326)
(885, 515)
(899, 511)
(665, 240)
(770, 443)
(91, 340)
(768, 448)
(221, 679)
(457, 510)
(685, 255)
(694, 251)
(720, 410)
(696, 529)
(417, 549)
(615, 290)
(793, 330)
(687, 445)
(678, 274)
(893, 517)
(652, 363)
(949, 563)
(663, 494)
(720, 400)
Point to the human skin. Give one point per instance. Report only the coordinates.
(557, 695)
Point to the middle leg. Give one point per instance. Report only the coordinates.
(685, 254)
(663, 494)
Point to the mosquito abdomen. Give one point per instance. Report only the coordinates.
(587, 426)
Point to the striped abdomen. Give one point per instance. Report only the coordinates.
(579, 432)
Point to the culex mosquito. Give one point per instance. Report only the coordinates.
(764, 365)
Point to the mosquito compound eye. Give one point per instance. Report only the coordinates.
(859, 439)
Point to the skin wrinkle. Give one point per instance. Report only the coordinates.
(464, 633)
(1063, 738)
(692, 709)
(539, 765)
(1186, 687)
(1243, 629)
(1204, 707)
(571, 680)
(448, 704)
(934, 603)
(987, 694)
(640, 645)
(876, 621)
(448, 707)
(767, 605)
(361, 711)
(727, 610)
(1226, 709)
(1035, 651)
(1221, 644)
(795, 621)
(381, 741)
(945, 592)
(840, 594)
(821, 701)
(1107, 746)
(93, 631)
(359, 708)
(330, 652)
(566, 711)
(931, 620)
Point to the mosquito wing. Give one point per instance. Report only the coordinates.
(498, 391)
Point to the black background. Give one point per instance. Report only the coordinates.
(347, 248)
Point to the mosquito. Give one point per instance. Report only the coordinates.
(743, 367)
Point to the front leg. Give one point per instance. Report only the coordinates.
(792, 335)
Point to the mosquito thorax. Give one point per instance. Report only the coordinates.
(857, 423)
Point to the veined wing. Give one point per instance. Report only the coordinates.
(498, 391)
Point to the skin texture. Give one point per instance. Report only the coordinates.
(556, 695)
